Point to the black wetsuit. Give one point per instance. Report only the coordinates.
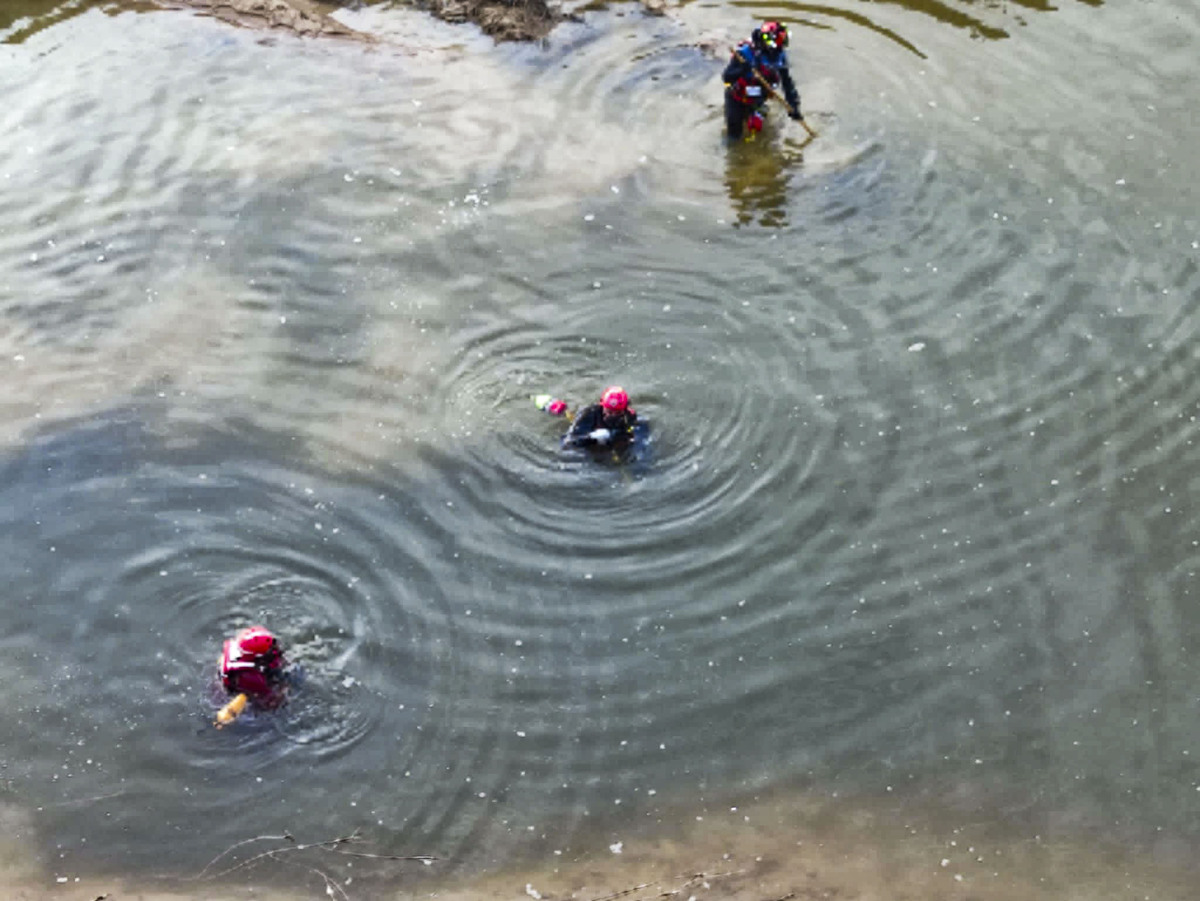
(593, 417)
(744, 93)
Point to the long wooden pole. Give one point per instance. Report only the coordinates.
(774, 93)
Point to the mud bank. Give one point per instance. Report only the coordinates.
(804, 847)
(504, 20)
(301, 17)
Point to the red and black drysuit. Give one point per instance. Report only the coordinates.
(745, 94)
(252, 663)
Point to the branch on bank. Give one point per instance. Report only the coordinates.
(688, 883)
(344, 845)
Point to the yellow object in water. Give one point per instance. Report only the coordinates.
(230, 711)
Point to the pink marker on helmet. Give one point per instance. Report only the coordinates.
(614, 399)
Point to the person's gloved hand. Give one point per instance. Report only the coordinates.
(794, 113)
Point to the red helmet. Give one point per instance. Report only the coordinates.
(255, 641)
(251, 662)
(614, 399)
(771, 36)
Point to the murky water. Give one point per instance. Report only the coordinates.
(914, 525)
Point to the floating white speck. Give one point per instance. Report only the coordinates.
(1120, 181)
(616, 847)
(916, 347)
(614, 189)
(348, 682)
(945, 861)
(531, 891)
(681, 217)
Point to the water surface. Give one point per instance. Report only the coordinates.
(914, 526)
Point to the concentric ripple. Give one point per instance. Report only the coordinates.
(162, 562)
(913, 508)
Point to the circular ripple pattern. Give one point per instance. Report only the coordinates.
(910, 423)
(162, 561)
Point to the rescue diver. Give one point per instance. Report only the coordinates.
(607, 424)
(762, 57)
(252, 664)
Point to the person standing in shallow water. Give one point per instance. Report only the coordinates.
(607, 424)
(762, 58)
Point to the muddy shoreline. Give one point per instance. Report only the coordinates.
(800, 846)
(503, 20)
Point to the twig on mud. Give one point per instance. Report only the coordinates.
(624, 892)
(333, 845)
(671, 892)
(286, 837)
(332, 889)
